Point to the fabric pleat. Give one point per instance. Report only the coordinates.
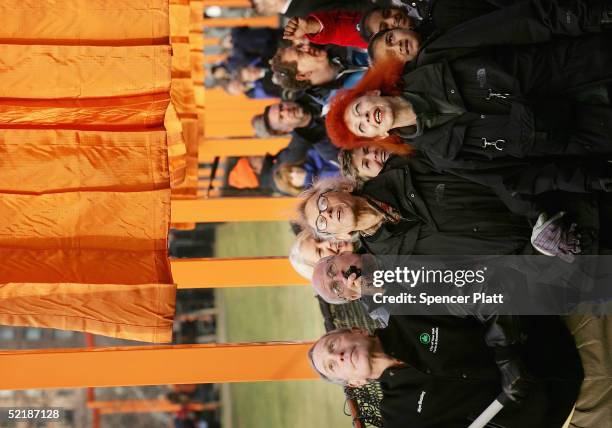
(86, 166)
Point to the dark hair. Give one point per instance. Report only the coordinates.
(217, 66)
(285, 73)
(347, 169)
(366, 34)
(373, 40)
(266, 117)
(266, 121)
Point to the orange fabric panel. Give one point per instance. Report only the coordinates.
(118, 220)
(180, 60)
(177, 149)
(184, 15)
(140, 111)
(43, 161)
(183, 97)
(49, 71)
(141, 312)
(84, 166)
(179, 18)
(191, 134)
(84, 265)
(84, 21)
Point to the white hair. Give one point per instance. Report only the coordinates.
(299, 263)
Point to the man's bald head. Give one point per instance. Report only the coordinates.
(333, 280)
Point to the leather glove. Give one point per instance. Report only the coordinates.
(515, 379)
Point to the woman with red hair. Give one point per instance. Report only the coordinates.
(379, 87)
(473, 118)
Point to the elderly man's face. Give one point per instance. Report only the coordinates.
(369, 161)
(403, 44)
(333, 213)
(332, 281)
(345, 356)
(285, 116)
(390, 17)
(312, 63)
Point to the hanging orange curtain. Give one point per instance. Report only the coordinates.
(85, 166)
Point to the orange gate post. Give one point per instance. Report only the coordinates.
(147, 406)
(255, 21)
(240, 147)
(154, 365)
(235, 272)
(228, 3)
(233, 209)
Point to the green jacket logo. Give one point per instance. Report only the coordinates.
(425, 338)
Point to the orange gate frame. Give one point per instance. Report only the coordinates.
(154, 365)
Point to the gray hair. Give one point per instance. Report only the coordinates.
(332, 301)
(347, 169)
(300, 264)
(259, 126)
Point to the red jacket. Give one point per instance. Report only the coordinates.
(338, 27)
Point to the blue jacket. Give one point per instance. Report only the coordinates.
(317, 167)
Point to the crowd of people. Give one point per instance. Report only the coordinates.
(446, 128)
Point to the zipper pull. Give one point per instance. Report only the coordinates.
(496, 95)
(498, 144)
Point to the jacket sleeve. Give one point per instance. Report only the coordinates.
(296, 150)
(525, 22)
(504, 331)
(338, 27)
(545, 176)
(328, 151)
(534, 177)
(506, 336)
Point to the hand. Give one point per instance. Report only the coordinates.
(552, 237)
(515, 380)
(297, 28)
(353, 282)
